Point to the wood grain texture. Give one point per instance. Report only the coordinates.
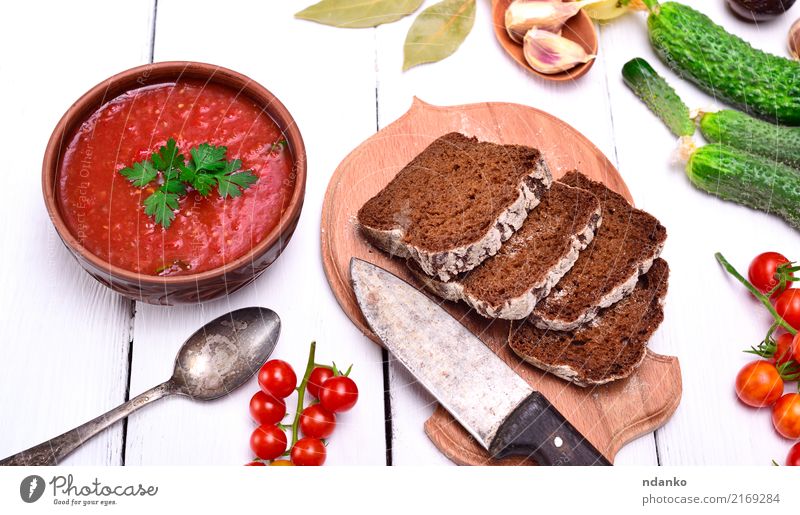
(178, 431)
(609, 415)
(478, 72)
(708, 315)
(62, 327)
(64, 337)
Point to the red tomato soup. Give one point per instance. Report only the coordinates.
(104, 211)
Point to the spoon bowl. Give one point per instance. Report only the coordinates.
(580, 29)
(226, 352)
(218, 358)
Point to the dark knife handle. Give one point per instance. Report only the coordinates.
(537, 430)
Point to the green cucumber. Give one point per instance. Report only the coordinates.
(753, 181)
(739, 130)
(658, 95)
(724, 65)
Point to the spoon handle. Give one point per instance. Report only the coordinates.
(54, 450)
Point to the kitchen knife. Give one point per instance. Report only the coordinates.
(490, 400)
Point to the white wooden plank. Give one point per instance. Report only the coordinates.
(326, 78)
(709, 318)
(481, 71)
(64, 337)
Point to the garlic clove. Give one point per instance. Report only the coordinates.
(550, 53)
(794, 40)
(550, 15)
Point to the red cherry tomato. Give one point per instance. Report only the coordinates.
(318, 376)
(266, 409)
(268, 441)
(309, 452)
(788, 306)
(317, 422)
(796, 348)
(277, 377)
(784, 348)
(255, 464)
(793, 459)
(786, 416)
(338, 394)
(762, 271)
(759, 384)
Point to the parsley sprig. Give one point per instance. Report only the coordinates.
(207, 168)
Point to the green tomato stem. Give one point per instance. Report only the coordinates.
(760, 296)
(651, 4)
(301, 392)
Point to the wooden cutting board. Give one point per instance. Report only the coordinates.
(609, 415)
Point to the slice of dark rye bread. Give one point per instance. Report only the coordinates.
(607, 270)
(454, 204)
(608, 348)
(509, 284)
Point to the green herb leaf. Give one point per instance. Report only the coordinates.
(204, 183)
(206, 169)
(358, 13)
(438, 32)
(208, 158)
(162, 206)
(174, 186)
(167, 157)
(229, 183)
(140, 174)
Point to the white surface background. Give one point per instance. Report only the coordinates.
(71, 349)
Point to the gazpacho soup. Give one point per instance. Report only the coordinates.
(176, 178)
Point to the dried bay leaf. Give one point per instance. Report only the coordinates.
(354, 14)
(438, 31)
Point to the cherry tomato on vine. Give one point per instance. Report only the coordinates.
(762, 271)
(281, 463)
(786, 416)
(788, 306)
(338, 394)
(317, 422)
(759, 384)
(793, 459)
(268, 441)
(277, 377)
(796, 348)
(266, 409)
(255, 464)
(309, 452)
(318, 376)
(784, 348)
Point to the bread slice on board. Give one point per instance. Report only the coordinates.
(607, 270)
(455, 203)
(509, 284)
(608, 348)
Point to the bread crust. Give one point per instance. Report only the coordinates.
(634, 350)
(520, 306)
(449, 263)
(609, 299)
(551, 313)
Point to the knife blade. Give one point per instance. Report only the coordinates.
(493, 403)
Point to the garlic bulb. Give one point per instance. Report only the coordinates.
(549, 15)
(550, 53)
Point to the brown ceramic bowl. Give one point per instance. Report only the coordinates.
(182, 288)
(580, 29)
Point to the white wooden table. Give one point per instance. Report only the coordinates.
(71, 349)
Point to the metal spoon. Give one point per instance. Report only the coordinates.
(218, 358)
